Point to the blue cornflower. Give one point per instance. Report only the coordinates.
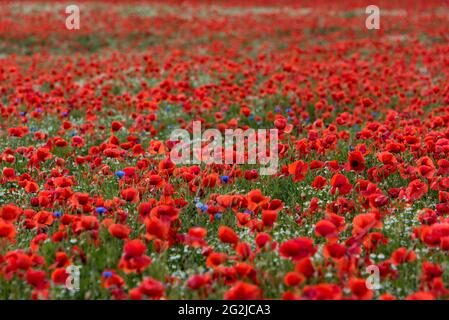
(57, 214)
(224, 179)
(198, 204)
(107, 274)
(119, 174)
(100, 210)
(218, 215)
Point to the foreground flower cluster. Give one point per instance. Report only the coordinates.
(86, 177)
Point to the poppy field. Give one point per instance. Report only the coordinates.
(92, 205)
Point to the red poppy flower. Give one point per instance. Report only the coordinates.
(325, 228)
(319, 183)
(359, 289)
(152, 288)
(421, 295)
(401, 255)
(322, 291)
(130, 195)
(10, 212)
(305, 267)
(298, 169)
(215, 259)
(416, 190)
(432, 235)
(119, 231)
(59, 276)
(356, 161)
(7, 230)
(227, 235)
(269, 217)
(243, 291)
(297, 249)
(292, 279)
(256, 199)
(165, 212)
(196, 281)
(133, 259)
(341, 183)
